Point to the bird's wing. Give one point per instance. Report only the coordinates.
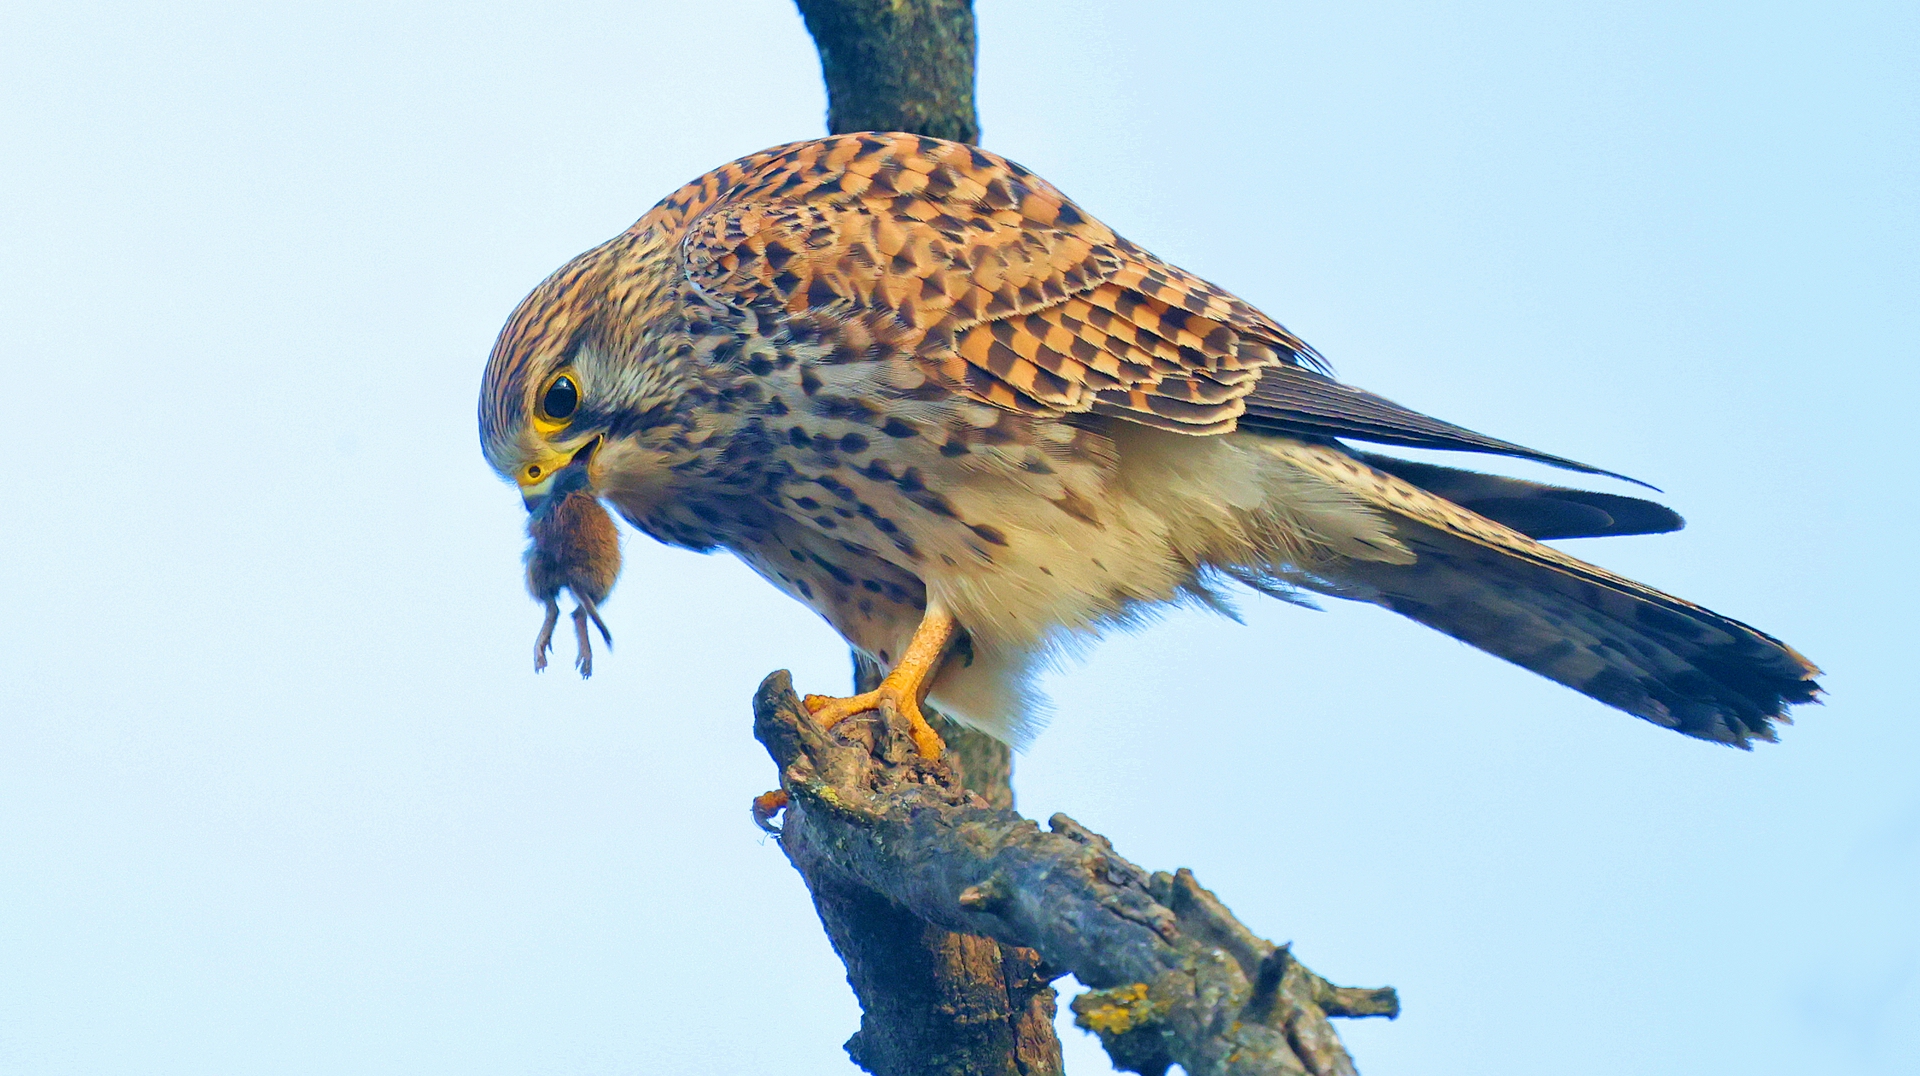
(1535, 509)
(1005, 291)
(1302, 402)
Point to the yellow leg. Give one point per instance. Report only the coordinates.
(906, 686)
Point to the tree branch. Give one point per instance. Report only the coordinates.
(896, 65)
(934, 1001)
(898, 843)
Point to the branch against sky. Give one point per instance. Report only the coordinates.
(896, 65)
(887, 837)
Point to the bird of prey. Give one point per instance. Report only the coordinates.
(915, 387)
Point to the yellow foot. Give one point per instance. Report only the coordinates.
(766, 805)
(905, 686)
(830, 711)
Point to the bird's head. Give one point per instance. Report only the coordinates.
(567, 403)
(543, 435)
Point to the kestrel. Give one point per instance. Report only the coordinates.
(915, 387)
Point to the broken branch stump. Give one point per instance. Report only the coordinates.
(892, 845)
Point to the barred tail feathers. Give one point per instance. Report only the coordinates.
(1622, 643)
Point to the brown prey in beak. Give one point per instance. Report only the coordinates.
(575, 548)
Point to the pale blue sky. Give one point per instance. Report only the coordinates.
(280, 793)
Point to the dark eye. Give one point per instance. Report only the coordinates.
(561, 398)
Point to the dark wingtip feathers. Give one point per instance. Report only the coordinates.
(1302, 401)
(1535, 509)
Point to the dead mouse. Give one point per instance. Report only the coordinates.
(575, 547)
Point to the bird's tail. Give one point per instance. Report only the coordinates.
(1625, 644)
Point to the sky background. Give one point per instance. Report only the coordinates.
(281, 794)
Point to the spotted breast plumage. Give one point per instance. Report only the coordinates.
(918, 389)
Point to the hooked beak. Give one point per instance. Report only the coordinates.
(559, 483)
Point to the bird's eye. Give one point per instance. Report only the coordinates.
(561, 398)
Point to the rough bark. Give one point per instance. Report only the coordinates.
(894, 846)
(896, 65)
(935, 1002)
